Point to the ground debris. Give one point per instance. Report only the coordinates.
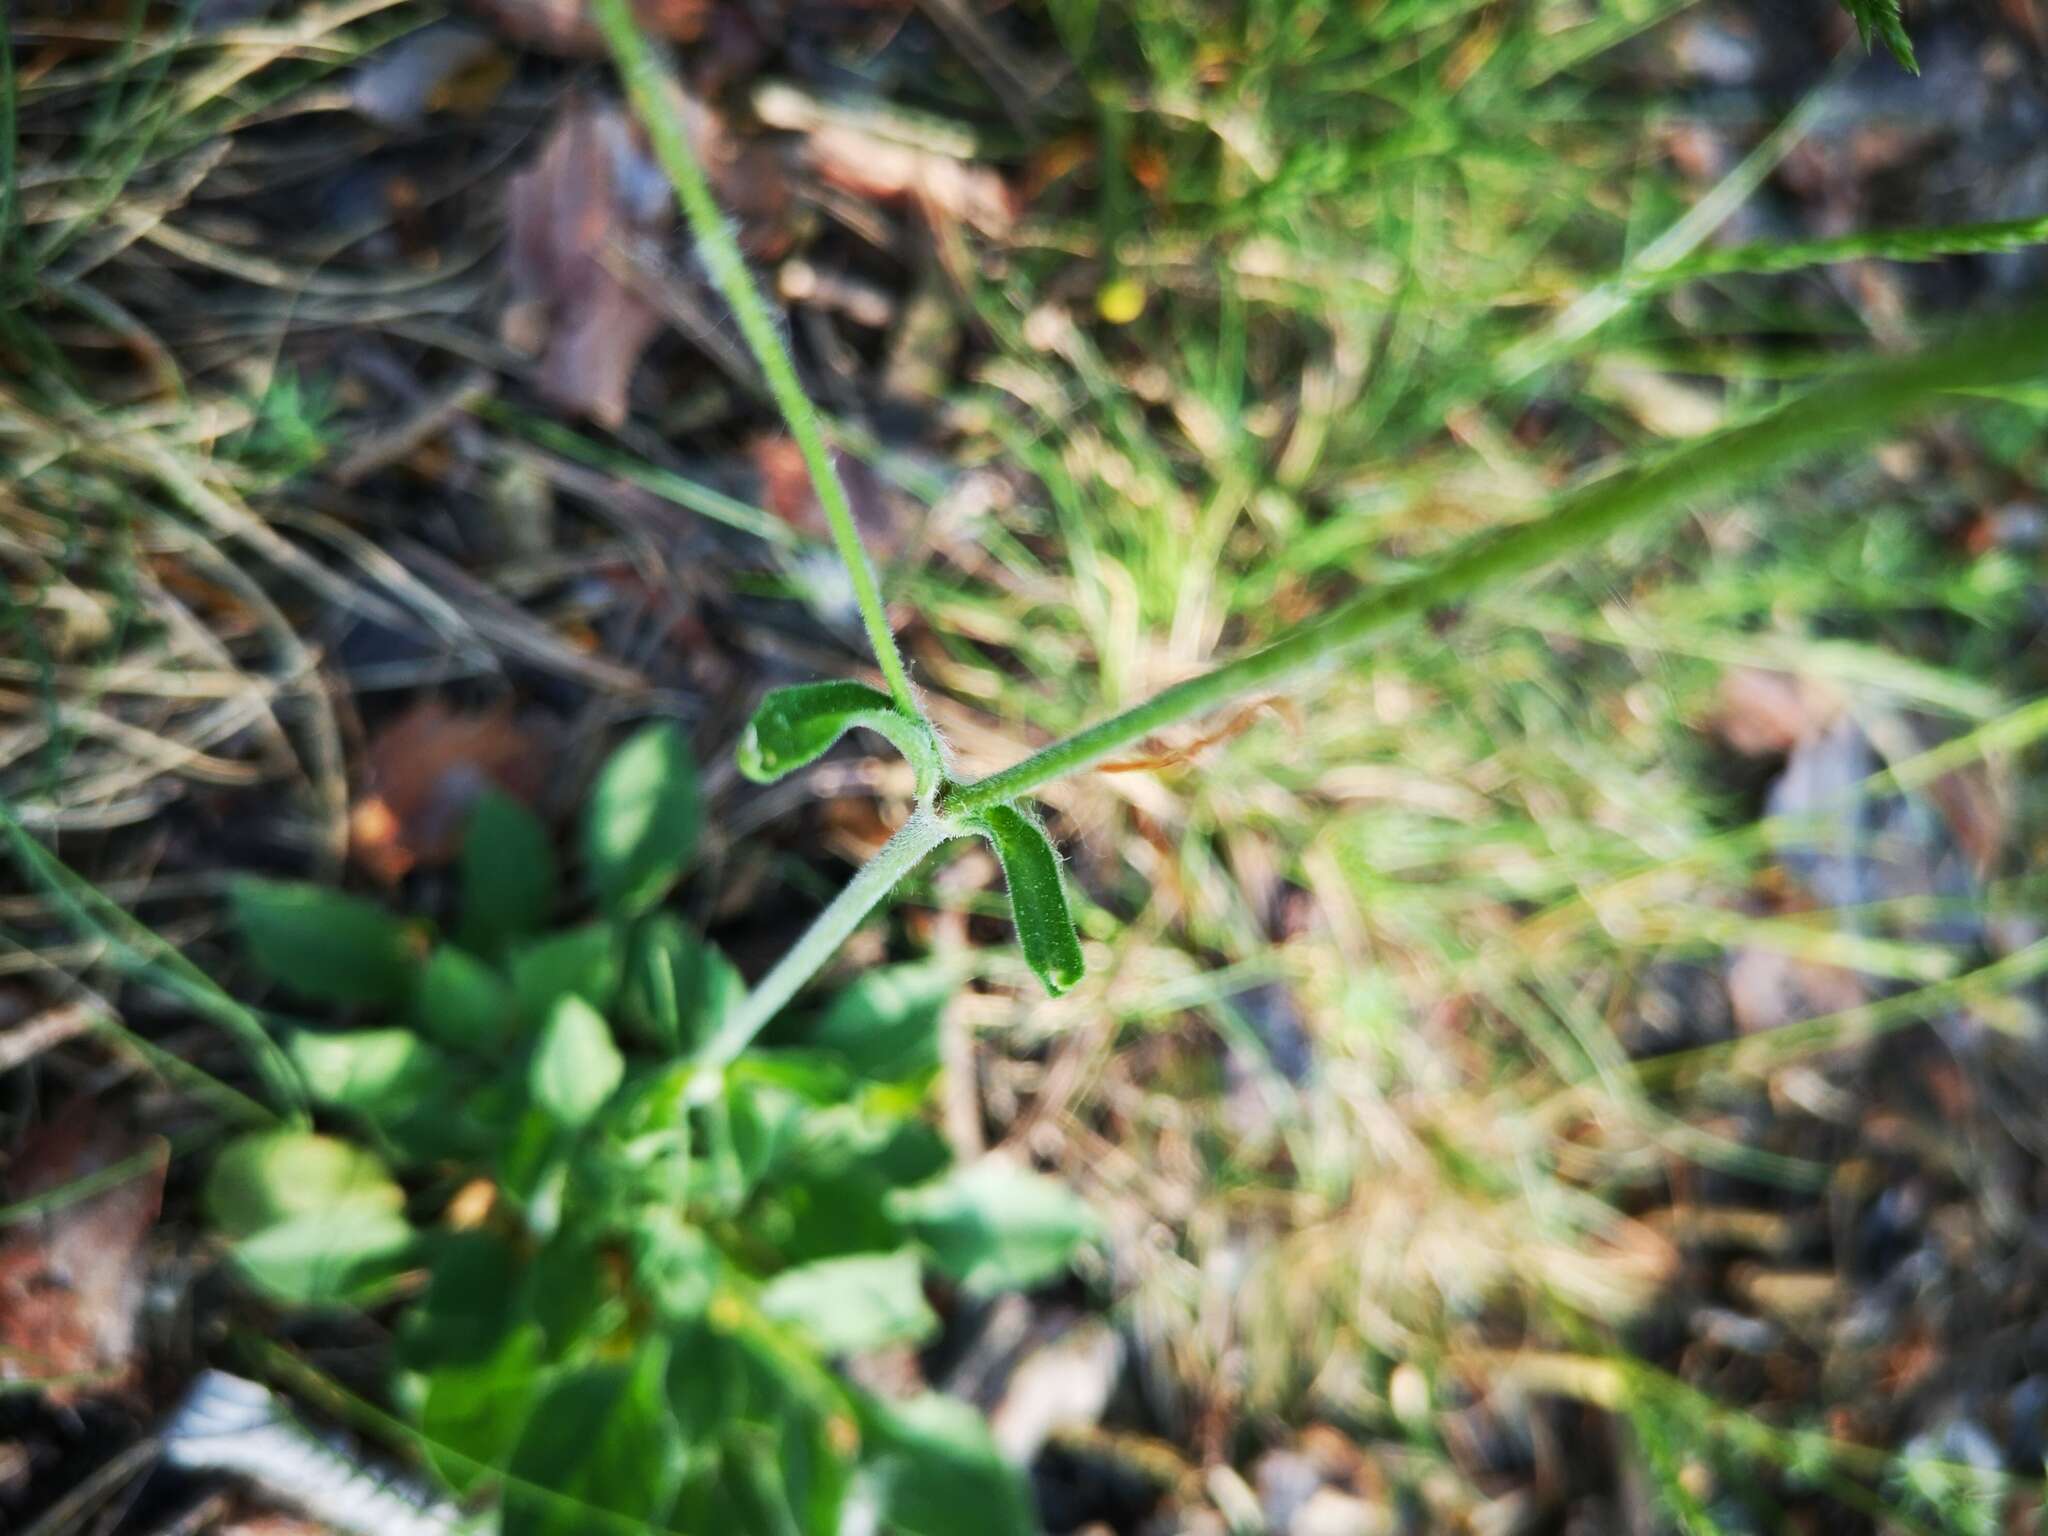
(565, 26)
(425, 769)
(71, 1276)
(594, 189)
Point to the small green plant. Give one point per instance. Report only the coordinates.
(646, 1235)
(641, 1245)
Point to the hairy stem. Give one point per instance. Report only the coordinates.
(831, 928)
(2011, 350)
(654, 97)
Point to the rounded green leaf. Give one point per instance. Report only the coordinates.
(370, 1071)
(640, 827)
(313, 1221)
(847, 1305)
(322, 945)
(678, 988)
(274, 1176)
(575, 1066)
(939, 1470)
(579, 962)
(345, 1258)
(885, 1025)
(471, 1301)
(993, 1226)
(472, 1415)
(794, 726)
(1038, 896)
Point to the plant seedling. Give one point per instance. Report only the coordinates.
(645, 1233)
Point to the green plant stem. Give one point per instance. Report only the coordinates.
(2009, 351)
(654, 97)
(831, 928)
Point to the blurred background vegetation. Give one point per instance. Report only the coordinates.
(1575, 1068)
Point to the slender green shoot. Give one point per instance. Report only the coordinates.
(653, 95)
(831, 928)
(1862, 400)
(2007, 352)
(1767, 257)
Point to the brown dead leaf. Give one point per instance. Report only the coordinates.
(425, 770)
(1976, 815)
(71, 1278)
(565, 27)
(594, 187)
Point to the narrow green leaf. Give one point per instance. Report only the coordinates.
(1880, 21)
(575, 1066)
(508, 874)
(322, 945)
(851, 1304)
(993, 1226)
(1038, 896)
(678, 988)
(465, 1004)
(640, 827)
(794, 726)
(600, 1439)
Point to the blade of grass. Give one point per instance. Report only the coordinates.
(653, 95)
(1932, 244)
(148, 956)
(666, 484)
(2009, 351)
(1594, 309)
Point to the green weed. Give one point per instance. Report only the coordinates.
(641, 1245)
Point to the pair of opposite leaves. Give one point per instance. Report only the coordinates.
(795, 726)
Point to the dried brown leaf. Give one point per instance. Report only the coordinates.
(594, 187)
(871, 166)
(884, 521)
(425, 770)
(565, 27)
(71, 1278)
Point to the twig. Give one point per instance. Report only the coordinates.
(46, 1031)
(387, 447)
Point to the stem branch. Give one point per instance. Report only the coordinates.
(2011, 350)
(831, 928)
(654, 98)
